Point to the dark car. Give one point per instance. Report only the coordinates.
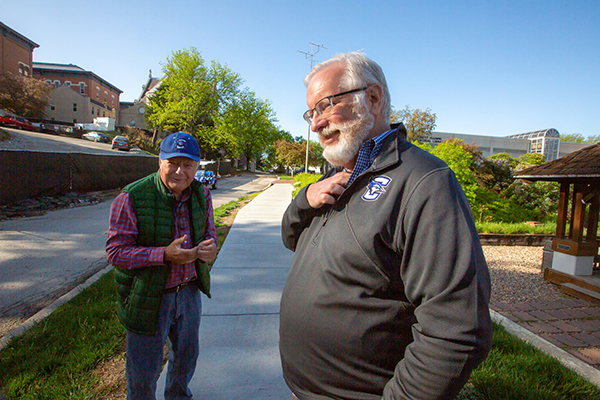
(207, 178)
(121, 143)
(96, 137)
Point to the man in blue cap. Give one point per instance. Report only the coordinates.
(161, 237)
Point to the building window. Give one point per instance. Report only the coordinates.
(23, 69)
(48, 81)
(68, 84)
(104, 113)
(74, 120)
(81, 87)
(92, 110)
(98, 93)
(74, 106)
(113, 101)
(56, 84)
(52, 107)
(105, 97)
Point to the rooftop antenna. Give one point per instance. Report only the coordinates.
(310, 55)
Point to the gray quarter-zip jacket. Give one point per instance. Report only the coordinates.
(388, 293)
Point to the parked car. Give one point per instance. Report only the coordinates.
(121, 143)
(96, 137)
(14, 121)
(207, 178)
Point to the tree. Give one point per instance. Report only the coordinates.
(418, 123)
(23, 95)
(572, 138)
(530, 160)
(192, 96)
(593, 139)
(292, 153)
(245, 127)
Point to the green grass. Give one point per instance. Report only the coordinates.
(515, 370)
(547, 228)
(55, 358)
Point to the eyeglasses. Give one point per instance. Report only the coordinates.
(325, 105)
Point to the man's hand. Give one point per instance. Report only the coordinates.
(174, 254)
(326, 191)
(207, 250)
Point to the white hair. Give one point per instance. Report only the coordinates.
(360, 71)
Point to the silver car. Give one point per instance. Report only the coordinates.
(121, 143)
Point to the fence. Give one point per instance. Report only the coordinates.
(28, 174)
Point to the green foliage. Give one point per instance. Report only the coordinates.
(292, 153)
(418, 123)
(54, 359)
(572, 138)
(302, 180)
(547, 228)
(208, 103)
(540, 197)
(530, 160)
(490, 206)
(247, 123)
(515, 370)
(192, 95)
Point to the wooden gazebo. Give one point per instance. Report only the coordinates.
(575, 245)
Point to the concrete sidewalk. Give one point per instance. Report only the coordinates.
(239, 355)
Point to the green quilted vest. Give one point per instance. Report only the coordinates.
(140, 291)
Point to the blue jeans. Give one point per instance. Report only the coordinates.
(179, 322)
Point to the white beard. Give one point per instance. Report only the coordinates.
(351, 136)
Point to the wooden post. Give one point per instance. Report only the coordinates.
(563, 206)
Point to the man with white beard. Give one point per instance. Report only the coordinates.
(388, 293)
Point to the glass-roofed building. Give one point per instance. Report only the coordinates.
(546, 142)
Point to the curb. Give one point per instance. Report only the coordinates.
(40, 315)
(568, 360)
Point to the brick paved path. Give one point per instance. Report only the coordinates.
(571, 324)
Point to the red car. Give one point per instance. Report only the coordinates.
(17, 122)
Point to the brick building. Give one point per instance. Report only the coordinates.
(78, 96)
(16, 52)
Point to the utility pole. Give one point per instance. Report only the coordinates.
(310, 55)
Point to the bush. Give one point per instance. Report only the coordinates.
(302, 180)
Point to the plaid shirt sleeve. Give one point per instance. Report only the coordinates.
(122, 233)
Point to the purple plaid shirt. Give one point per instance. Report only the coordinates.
(122, 234)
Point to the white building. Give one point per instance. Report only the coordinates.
(546, 142)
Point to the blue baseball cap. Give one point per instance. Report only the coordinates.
(180, 144)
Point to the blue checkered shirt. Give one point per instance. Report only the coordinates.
(367, 153)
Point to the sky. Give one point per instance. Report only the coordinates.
(483, 67)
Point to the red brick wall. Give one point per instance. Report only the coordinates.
(11, 54)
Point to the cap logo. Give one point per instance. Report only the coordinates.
(180, 144)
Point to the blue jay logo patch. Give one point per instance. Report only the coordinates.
(376, 187)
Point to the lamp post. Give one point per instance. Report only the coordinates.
(310, 55)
